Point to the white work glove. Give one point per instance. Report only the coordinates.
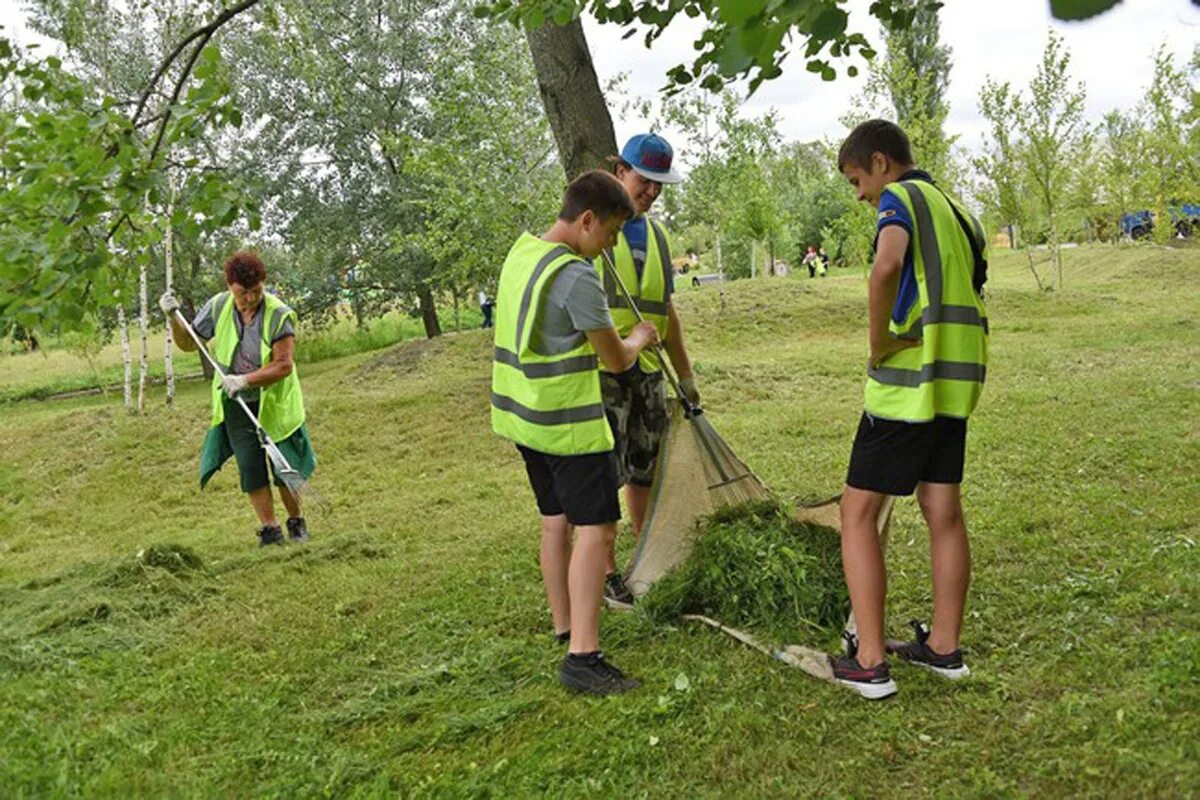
(168, 303)
(232, 384)
(688, 387)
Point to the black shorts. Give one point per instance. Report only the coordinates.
(582, 487)
(893, 457)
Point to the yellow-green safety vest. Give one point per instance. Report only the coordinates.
(650, 293)
(281, 405)
(545, 398)
(943, 377)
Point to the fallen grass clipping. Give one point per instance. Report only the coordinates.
(755, 566)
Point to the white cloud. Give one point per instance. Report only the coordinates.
(1111, 54)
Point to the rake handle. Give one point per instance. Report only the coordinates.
(688, 406)
(220, 374)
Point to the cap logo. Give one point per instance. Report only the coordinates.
(658, 161)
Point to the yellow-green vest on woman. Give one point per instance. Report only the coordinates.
(281, 405)
(547, 399)
(943, 377)
(650, 292)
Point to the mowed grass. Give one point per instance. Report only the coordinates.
(407, 651)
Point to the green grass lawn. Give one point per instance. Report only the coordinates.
(407, 649)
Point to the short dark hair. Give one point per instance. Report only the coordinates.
(874, 136)
(599, 192)
(245, 268)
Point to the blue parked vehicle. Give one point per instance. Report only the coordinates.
(1185, 219)
(1137, 224)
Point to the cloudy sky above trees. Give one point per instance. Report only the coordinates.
(1112, 54)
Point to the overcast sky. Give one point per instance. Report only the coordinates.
(1112, 54)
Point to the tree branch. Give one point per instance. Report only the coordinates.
(206, 33)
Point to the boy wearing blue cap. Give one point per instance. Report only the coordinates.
(635, 400)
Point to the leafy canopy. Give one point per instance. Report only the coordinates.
(744, 38)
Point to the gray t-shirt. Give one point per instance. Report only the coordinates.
(247, 357)
(574, 304)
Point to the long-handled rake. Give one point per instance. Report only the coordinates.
(697, 472)
(284, 471)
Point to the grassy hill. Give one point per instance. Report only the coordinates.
(407, 649)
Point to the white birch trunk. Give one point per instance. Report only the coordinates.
(168, 364)
(144, 325)
(123, 327)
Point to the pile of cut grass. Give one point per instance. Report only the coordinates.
(755, 565)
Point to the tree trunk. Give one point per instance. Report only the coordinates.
(126, 356)
(572, 97)
(429, 313)
(144, 327)
(771, 257)
(1033, 269)
(168, 362)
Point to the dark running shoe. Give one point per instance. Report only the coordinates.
(873, 683)
(591, 674)
(616, 593)
(297, 530)
(950, 665)
(270, 534)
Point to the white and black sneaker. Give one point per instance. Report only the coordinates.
(616, 593)
(591, 674)
(297, 530)
(269, 535)
(918, 651)
(873, 683)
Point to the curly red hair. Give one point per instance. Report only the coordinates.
(245, 268)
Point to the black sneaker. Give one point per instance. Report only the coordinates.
(270, 534)
(616, 593)
(873, 683)
(297, 530)
(563, 638)
(950, 665)
(591, 674)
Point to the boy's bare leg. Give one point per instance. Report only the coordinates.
(941, 503)
(556, 560)
(586, 584)
(862, 562)
(638, 500)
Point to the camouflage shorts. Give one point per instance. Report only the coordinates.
(636, 405)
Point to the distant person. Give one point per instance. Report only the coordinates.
(928, 356)
(635, 400)
(810, 261)
(552, 328)
(824, 257)
(485, 307)
(252, 335)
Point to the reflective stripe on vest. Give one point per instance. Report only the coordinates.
(649, 291)
(281, 405)
(945, 376)
(546, 401)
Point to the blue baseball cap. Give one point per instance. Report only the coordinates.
(650, 156)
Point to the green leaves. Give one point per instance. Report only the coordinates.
(1080, 9)
(76, 176)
